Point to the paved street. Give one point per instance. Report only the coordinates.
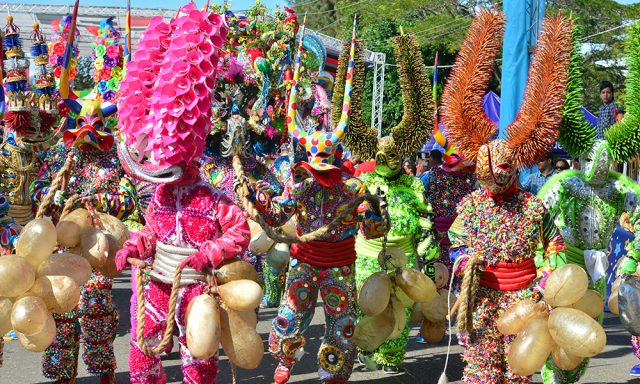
(423, 364)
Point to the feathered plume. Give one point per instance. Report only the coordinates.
(468, 127)
(624, 136)
(537, 125)
(576, 134)
(360, 138)
(415, 126)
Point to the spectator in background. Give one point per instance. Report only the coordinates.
(561, 165)
(536, 180)
(575, 164)
(409, 167)
(609, 111)
(435, 158)
(422, 167)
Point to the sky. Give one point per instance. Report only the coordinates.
(235, 4)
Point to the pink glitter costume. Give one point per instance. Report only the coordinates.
(165, 116)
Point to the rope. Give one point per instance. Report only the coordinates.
(243, 190)
(470, 284)
(140, 312)
(58, 183)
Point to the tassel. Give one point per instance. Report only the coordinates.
(443, 379)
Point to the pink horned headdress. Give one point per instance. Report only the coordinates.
(165, 107)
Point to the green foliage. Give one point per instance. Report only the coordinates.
(84, 78)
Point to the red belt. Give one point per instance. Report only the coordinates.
(508, 276)
(326, 254)
(442, 224)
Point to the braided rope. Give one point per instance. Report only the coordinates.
(58, 183)
(244, 192)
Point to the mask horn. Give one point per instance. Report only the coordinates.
(73, 105)
(293, 96)
(339, 131)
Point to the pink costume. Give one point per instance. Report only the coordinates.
(165, 116)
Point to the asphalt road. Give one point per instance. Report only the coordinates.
(423, 365)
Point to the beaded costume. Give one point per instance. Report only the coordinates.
(188, 221)
(500, 227)
(410, 228)
(24, 134)
(319, 191)
(587, 204)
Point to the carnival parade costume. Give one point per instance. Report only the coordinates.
(410, 227)
(24, 134)
(188, 222)
(501, 225)
(318, 193)
(587, 204)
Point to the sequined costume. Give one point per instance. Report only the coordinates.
(316, 194)
(587, 204)
(96, 172)
(500, 227)
(24, 134)
(188, 221)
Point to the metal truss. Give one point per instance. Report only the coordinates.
(379, 60)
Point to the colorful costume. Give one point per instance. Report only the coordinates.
(410, 228)
(24, 135)
(587, 204)
(188, 222)
(501, 225)
(319, 191)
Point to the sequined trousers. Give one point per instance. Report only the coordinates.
(148, 369)
(95, 322)
(337, 288)
(486, 349)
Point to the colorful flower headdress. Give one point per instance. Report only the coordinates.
(108, 61)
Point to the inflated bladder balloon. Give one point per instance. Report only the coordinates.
(109, 267)
(591, 303)
(515, 318)
(442, 275)
(60, 293)
(613, 298)
(432, 332)
(16, 276)
(278, 256)
(95, 246)
(203, 327)
(629, 304)
(241, 295)
(29, 315)
(41, 340)
(234, 269)
(436, 310)
(68, 233)
(576, 332)
(289, 228)
(5, 314)
(564, 360)
(374, 294)
(66, 264)
(37, 241)
(260, 243)
(80, 216)
(531, 347)
(566, 285)
(402, 296)
(115, 227)
(372, 331)
(240, 340)
(400, 317)
(416, 285)
(416, 314)
(392, 258)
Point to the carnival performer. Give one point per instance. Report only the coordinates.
(502, 225)
(320, 192)
(587, 203)
(410, 225)
(28, 127)
(188, 222)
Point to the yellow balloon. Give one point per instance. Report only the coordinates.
(234, 269)
(16, 276)
(591, 303)
(66, 264)
(29, 315)
(240, 341)
(400, 317)
(576, 332)
(5, 314)
(241, 295)
(41, 340)
(203, 327)
(374, 294)
(515, 318)
(531, 348)
(433, 332)
(564, 360)
(60, 293)
(566, 285)
(416, 285)
(372, 331)
(37, 241)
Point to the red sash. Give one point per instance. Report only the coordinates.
(326, 254)
(509, 276)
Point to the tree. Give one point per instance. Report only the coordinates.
(84, 78)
